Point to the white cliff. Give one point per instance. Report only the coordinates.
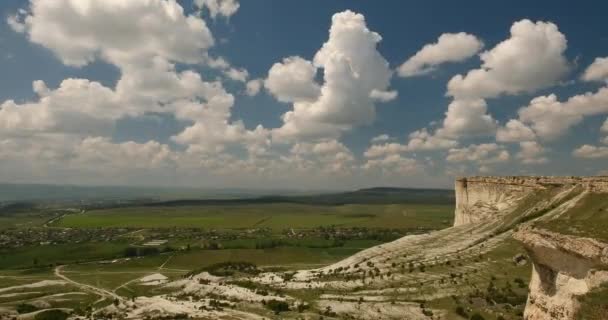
(564, 267)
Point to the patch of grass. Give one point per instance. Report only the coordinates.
(588, 218)
(28, 257)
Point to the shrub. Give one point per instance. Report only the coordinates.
(277, 306)
(461, 312)
(26, 308)
(477, 316)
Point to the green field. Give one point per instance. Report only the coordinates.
(275, 216)
(40, 256)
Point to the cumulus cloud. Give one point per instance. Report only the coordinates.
(515, 131)
(380, 150)
(597, 71)
(138, 37)
(383, 96)
(253, 87)
(393, 164)
(293, 80)
(466, 118)
(484, 154)
(224, 8)
(78, 106)
(531, 59)
(605, 126)
(121, 32)
(423, 140)
(591, 152)
(16, 21)
(328, 155)
(450, 47)
(381, 138)
(100, 151)
(419, 140)
(353, 68)
(235, 74)
(531, 152)
(551, 118)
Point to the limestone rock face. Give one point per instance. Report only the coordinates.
(484, 198)
(564, 267)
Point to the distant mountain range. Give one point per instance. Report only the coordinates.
(379, 195)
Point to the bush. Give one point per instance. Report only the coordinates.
(227, 268)
(461, 312)
(25, 308)
(277, 306)
(477, 316)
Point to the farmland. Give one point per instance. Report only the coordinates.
(274, 216)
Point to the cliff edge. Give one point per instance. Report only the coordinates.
(488, 198)
(564, 268)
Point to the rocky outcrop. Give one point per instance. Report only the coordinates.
(484, 198)
(564, 267)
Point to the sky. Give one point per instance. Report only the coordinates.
(281, 94)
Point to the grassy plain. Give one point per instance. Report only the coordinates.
(277, 216)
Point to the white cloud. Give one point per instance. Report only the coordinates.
(605, 140)
(466, 118)
(138, 37)
(16, 23)
(423, 140)
(515, 131)
(78, 106)
(419, 140)
(591, 152)
(450, 47)
(353, 68)
(532, 58)
(99, 151)
(383, 96)
(531, 152)
(380, 150)
(484, 154)
(381, 138)
(597, 71)
(605, 126)
(328, 155)
(224, 8)
(253, 87)
(550, 118)
(235, 74)
(293, 80)
(121, 32)
(393, 164)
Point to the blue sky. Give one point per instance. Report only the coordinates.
(175, 131)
